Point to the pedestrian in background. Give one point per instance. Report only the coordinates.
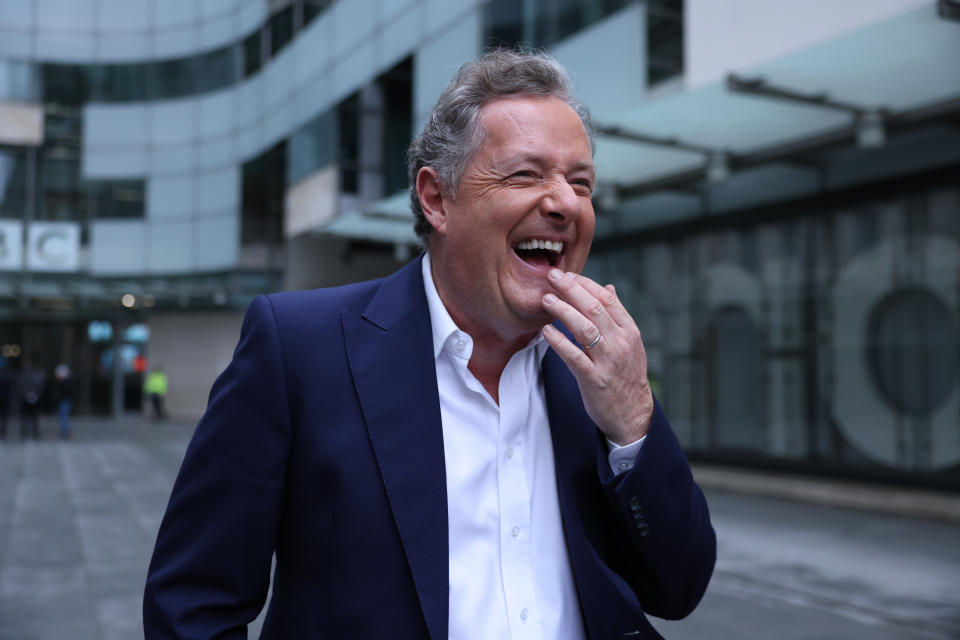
(64, 391)
(156, 389)
(31, 384)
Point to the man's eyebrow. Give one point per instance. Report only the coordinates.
(531, 158)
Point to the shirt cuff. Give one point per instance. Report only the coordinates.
(621, 458)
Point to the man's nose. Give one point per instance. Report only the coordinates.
(561, 203)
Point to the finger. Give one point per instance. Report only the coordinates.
(608, 296)
(582, 327)
(578, 361)
(588, 304)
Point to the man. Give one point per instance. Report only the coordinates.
(426, 454)
(155, 388)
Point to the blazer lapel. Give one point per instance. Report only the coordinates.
(390, 350)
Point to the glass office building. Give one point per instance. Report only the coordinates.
(778, 194)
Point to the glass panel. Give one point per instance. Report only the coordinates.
(65, 84)
(173, 78)
(264, 187)
(397, 85)
(503, 23)
(312, 147)
(118, 82)
(541, 23)
(117, 198)
(912, 339)
(348, 119)
(19, 80)
(313, 8)
(664, 40)
(252, 54)
(281, 29)
(13, 182)
(216, 69)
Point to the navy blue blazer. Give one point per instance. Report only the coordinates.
(322, 443)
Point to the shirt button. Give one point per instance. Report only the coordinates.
(623, 465)
(515, 532)
(509, 452)
(524, 613)
(461, 344)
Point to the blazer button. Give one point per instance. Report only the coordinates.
(634, 503)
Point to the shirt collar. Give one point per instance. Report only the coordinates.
(443, 325)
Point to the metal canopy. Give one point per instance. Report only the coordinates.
(786, 128)
(901, 64)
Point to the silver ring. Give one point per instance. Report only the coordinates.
(594, 343)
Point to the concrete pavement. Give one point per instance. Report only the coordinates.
(78, 520)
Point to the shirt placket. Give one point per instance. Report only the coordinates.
(514, 495)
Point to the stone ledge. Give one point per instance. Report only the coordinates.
(914, 503)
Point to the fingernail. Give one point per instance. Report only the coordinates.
(554, 274)
(571, 275)
(549, 298)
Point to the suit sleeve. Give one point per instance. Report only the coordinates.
(210, 570)
(665, 518)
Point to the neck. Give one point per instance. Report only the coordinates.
(490, 357)
(492, 346)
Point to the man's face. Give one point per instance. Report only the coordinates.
(522, 207)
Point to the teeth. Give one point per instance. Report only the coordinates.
(545, 245)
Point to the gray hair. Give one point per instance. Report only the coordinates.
(454, 131)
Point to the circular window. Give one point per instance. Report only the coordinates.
(912, 349)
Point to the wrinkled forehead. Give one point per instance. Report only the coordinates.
(534, 128)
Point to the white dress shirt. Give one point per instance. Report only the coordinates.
(510, 576)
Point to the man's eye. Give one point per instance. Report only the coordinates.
(522, 174)
(585, 184)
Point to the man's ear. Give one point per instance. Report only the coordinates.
(431, 198)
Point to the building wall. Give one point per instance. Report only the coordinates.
(193, 348)
(725, 37)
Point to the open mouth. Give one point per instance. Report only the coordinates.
(540, 253)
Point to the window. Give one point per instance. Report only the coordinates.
(173, 78)
(313, 8)
(216, 69)
(664, 40)
(118, 82)
(264, 187)
(116, 198)
(397, 88)
(252, 53)
(13, 182)
(348, 118)
(542, 23)
(281, 30)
